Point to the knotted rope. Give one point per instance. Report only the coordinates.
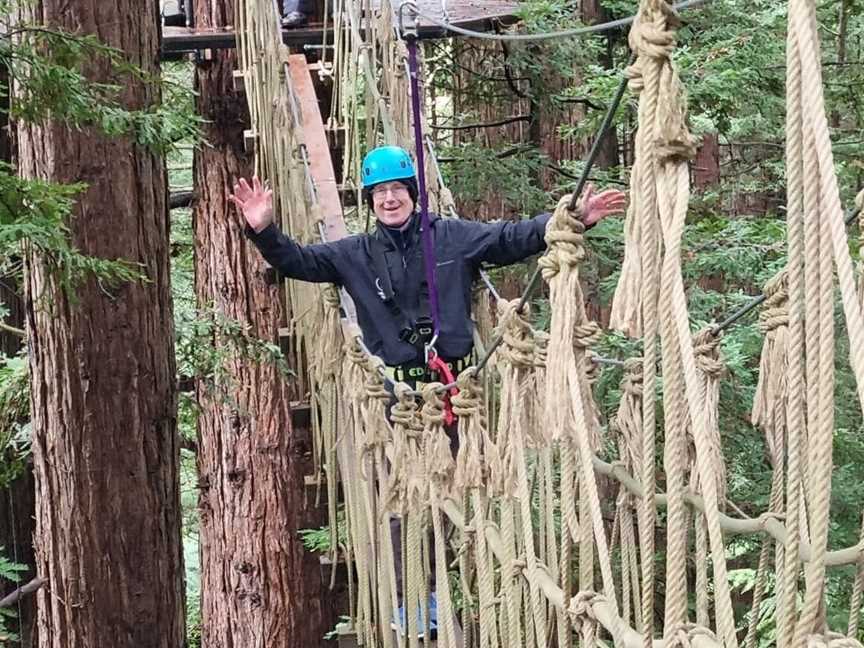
(581, 613)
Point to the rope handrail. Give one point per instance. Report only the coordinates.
(540, 36)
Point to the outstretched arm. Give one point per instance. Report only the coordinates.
(304, 262)
(506, 243)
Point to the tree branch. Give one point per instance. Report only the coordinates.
(510, 152)
(581, 100)
(502, 122)
(20, 592)
(8, 328)
(181, 199)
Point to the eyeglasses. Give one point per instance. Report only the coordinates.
(397, 189)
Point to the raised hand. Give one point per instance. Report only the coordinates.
(255, 203)
(597, 206)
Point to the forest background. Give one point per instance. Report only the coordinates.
(512, 124)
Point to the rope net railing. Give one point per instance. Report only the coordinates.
(511, 530)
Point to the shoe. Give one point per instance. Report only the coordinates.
(294, 19)
(399, 625)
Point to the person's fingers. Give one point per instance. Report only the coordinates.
(242, 190)
(611, 199)
(256, 184)
(268, 195)
(616, 201)
(588, 193)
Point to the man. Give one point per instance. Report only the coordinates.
(384, 271)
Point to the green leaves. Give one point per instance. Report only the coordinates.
(35, 213)
(53, 75)
(14, 418)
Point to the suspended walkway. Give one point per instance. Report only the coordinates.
(537, 561)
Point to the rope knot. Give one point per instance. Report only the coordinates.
(374, 386)
(581, 612)
(406, 411)
(592, 369)
(652, 34)
(564, 236)
(587, 334)
(433, 405)
(517, 336)
(467, 402)
(682, 635)
(330, 295)
(706, 347)
(354, 352)
(636, 81)
(631, 383)
(776, 311)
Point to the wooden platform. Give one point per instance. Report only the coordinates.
(478, 15)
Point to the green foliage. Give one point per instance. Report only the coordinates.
(319, 539)
(14, 417)
(36, 213)
(208, 341)
(52, 71)
(473, 167)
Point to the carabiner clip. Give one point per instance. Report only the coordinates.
(410, 32)
(429, 351)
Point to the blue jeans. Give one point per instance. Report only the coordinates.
(303, 6)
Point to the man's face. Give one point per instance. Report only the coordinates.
(392, 203)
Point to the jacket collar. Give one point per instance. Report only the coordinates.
(391, 236)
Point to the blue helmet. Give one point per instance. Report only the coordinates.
(384, 164)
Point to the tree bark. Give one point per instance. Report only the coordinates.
(706, 166)
(105, 446)
(254, 590)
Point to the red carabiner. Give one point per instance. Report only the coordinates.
(437, 364)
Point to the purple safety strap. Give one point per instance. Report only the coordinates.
(425, 229)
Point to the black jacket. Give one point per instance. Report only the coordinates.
(460, 248)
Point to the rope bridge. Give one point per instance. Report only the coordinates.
(536, 560)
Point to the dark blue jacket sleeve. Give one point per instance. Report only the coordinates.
(503, 243)
(316, 262)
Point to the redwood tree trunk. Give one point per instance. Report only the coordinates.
(105, 446)
(254, 591)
